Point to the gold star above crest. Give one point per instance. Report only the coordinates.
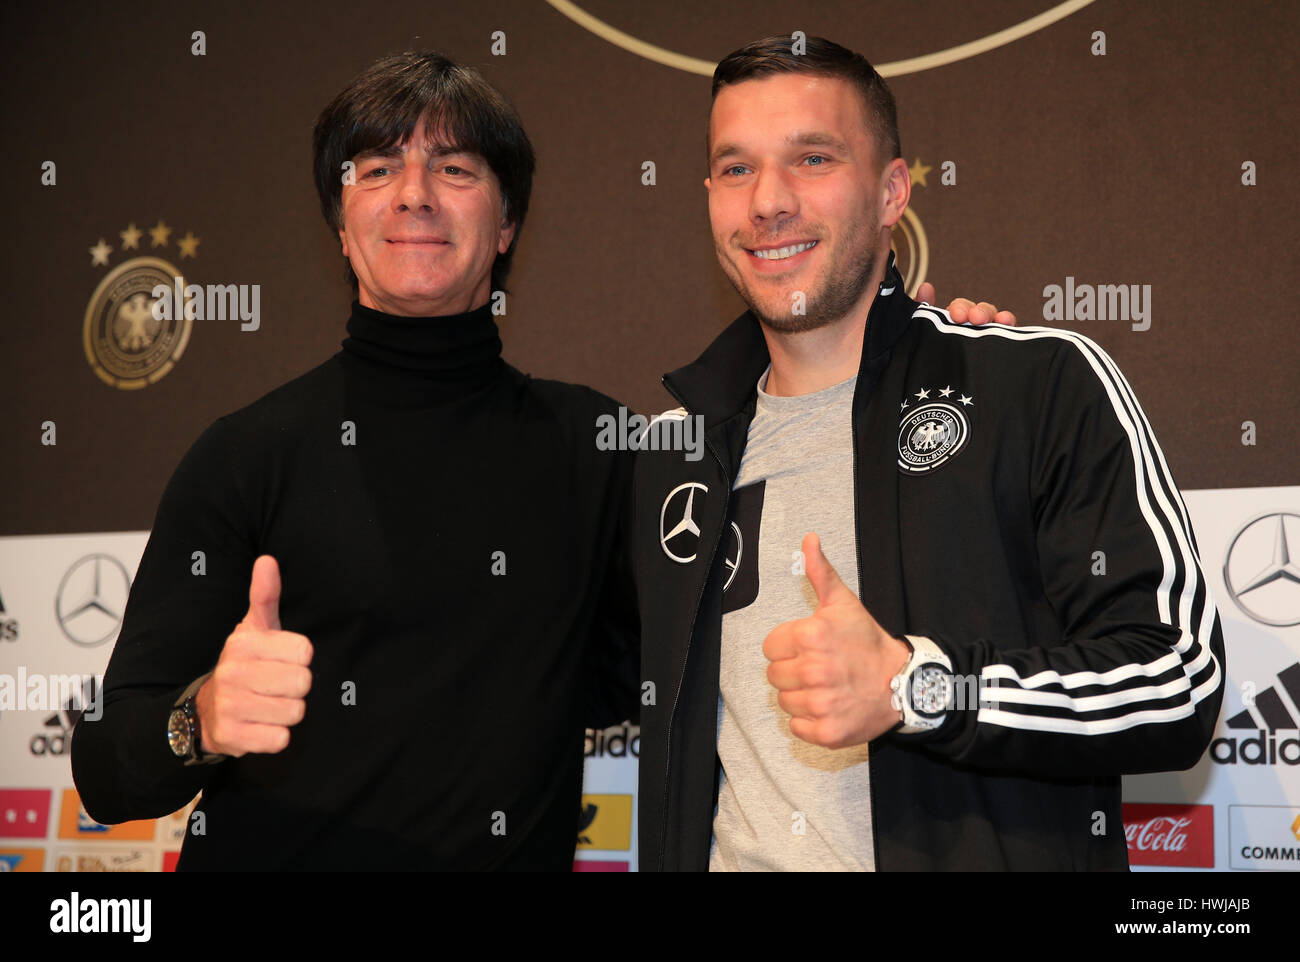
(189, 244)
(159, 234)
(130, 237)
(99, 254)
(918, 171)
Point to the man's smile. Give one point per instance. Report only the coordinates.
(778, 259)
(781, 253)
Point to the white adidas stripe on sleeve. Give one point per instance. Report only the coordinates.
(1151, 470)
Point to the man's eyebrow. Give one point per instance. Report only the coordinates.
(446, 150)
(818, 138)
(811, 138)
(723, 150)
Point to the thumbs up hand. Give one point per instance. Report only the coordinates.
(259, 687)
(832, 670)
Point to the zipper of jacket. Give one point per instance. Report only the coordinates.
(857, 549)
(681, 675)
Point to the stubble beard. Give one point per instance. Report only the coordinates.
(831, 299)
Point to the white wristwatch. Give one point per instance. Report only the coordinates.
(923, 689)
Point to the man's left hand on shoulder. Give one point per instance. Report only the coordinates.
(832, 670)
(965, 311)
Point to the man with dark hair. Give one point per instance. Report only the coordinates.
(375, 114)
(435, 534)
(880, 636)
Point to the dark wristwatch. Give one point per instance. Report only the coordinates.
(183, 732)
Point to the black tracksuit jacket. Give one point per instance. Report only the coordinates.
(1048, 554)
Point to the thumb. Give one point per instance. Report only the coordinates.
(825, 579)
(264, 595)
(925, 293)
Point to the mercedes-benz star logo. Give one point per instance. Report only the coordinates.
(1262, 578)
(686, 525)
(733, 563)
(91, 599)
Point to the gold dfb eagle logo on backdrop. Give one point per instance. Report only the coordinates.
(126, 344)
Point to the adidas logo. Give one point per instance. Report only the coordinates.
(56, 742)
(1269, 715)
(8, 626)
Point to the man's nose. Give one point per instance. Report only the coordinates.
(773, 197)
(417, 190)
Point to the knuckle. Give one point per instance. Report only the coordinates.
(221, 704)
(235, 675)
(218, 734)
(234, 645)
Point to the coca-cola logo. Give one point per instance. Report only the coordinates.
(1162, 833)
(1170, 834)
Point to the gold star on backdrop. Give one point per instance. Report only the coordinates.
(99, 254)
(918, 171)
(130, 237)
(189, 244)
(160, 233)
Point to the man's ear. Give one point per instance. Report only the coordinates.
(896, 192)
(708, 183)
(508, 229)
(343, 240)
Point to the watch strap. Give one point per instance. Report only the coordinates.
(186, 703)
(924, 653)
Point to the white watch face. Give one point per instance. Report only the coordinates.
(931, 690)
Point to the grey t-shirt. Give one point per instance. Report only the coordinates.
(784, 804)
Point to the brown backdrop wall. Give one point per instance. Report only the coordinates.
(1117, 169)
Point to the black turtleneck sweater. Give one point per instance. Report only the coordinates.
(461, 743)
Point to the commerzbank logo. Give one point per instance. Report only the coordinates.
(605, 823)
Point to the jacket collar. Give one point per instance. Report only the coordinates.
(721, 383)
